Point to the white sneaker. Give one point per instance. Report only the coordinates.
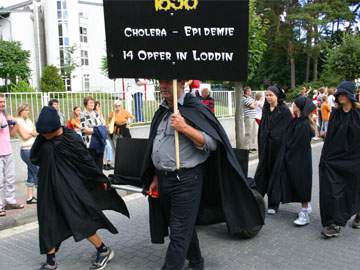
(303, 219)
(271, 211)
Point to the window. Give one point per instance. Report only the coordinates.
(86, 82)
(83, 35)
(84, 58)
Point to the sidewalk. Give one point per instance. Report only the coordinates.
(15, 218)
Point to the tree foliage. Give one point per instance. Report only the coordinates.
(22, 86)
(14, 62)
(300, 35)
(343, 60)
(51, 80)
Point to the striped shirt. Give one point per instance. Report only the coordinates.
(249, 112)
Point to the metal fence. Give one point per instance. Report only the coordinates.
(224, 102)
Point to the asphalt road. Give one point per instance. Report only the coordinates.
(279, 245)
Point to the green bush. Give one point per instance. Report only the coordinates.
(22, 86)
(51, 80)
(343, 61)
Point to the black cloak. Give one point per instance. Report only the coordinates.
(339, 168)
(271, 141)
(70, 196)
(225, 187)
(297, 180)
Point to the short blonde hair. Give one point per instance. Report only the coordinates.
(22, 108)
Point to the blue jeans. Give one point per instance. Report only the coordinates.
(108, 151)
(139, 115)
(32, 177)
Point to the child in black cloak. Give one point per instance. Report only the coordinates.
(71, 191)
(339, 164)
(297, 182)
(275, 121)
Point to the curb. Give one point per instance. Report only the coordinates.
(8, 222)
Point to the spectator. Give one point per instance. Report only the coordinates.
(304, 92)
(325, 113)
(56, 105)
(331, 97)
(249, 120)
(89, 121)
(259, 99)
(74, 122)
(138, 92)
(358, 95)
(207, 100)
(7, 165)
(117, 122)
(194, 86)
(27, 133)
(108, 154)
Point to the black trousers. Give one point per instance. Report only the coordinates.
(180, 195)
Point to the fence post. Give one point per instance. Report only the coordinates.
(44, 99)
(229, 100)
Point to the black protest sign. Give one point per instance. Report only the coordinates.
(177, 39)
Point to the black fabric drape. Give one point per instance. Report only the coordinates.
(297, 180)
(271, 140)
(225, 187)
(70, 196)
(339, 168)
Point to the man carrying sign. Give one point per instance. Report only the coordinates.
(182, 192)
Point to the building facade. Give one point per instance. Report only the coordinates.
(69, 34)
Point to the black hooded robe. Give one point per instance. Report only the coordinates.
(297, 182)
(271, 140)
(339, 168)
(225, 188)
(70, 197)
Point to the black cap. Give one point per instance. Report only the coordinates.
(48, 120)
(305, 105)
(346, 88)
(278, 91)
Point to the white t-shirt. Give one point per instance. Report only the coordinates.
(28, 126)
(259, 108)
(331, 100)
(138, 85)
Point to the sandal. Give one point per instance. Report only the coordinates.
(13, 206)
(33, 200)
(2, 212)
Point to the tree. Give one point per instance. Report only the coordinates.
(14, 62)
(343, 61)
(257, 38)
(22, 86)
(51, 80)
(104, 66)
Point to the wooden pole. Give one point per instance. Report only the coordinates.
(176, 134)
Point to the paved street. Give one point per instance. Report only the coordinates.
(280, 245)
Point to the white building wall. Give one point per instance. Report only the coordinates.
(96, 46)
(92, 18)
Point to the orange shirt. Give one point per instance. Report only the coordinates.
(325, 111)
(121, 117)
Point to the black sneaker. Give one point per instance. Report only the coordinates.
(33, 200)
(356, 222)
(102, 259)
(331, 231)
(198, 265)
(47, 266)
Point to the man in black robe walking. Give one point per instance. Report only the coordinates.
(71, 191)
(340, 163)
(182, 192)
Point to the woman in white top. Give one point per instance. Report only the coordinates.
(27, 133)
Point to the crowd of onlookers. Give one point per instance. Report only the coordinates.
(323, 98)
